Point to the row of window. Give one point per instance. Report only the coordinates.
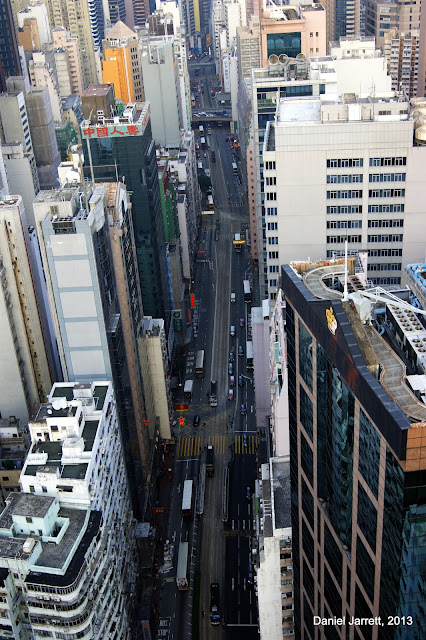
(270, 165)
(271, 211)
(272, 226)
(386, 193)
(273, 240)
(386, 266)
(342, 239)
(274, 268)
(386, 208)
(385, 253)
(344, 224)
(386, 238)
(271, 181)
(385, 223)
(359, 162)
(386, 177)
(344, 179)
(349, 193)
(345, 208)
(271, 195)
(273, 255)
(382, 281)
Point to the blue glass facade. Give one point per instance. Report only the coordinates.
(289, 44)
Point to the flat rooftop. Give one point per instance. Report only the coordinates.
(97, 90)
(281, 492)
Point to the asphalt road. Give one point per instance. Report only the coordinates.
(220, 551)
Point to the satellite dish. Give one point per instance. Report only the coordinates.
(56, 405)
(301, 56)
(283, 57)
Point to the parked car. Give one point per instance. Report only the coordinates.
(231, 356)
(242, 322)
(240, 350)
(230, 369)
(240, 381)
(230, 394)
(243, 412)
(196, 421)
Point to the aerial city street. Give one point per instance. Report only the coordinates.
(212, 320)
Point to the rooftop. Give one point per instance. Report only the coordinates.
(97, 90)
(281, 493)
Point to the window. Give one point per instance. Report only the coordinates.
(385, 208)
(386, 193)
(44, 489)
(355, 193)
(272, 283)
(345, 162)
(271, 211)
(5, 479)
(273, 268)
(385, 223)
(271, 195)
(270, 165)
(271, 181)
(388, 162)
(32, 488)
(273, 255)
(385, 238)
(272, 226)
(273, 240)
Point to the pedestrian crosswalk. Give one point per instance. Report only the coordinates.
(190, 446)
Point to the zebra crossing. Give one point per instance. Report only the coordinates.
(190, 446)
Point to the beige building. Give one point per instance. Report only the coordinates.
(74, 16)
(64, 41)
(402, 54)
(248, 48)
(25, 369)
(154, 363)
(383, 15)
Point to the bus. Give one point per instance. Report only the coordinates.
(203, 142)
(187, 390)
(237, 242)
(249, 354)
(200, 167)
(213, 393)
(199, 364)
(247, 291)
(192, 100)
(210, 461)
(210, 202)
(182, 568)
(234, 168)
(187, 499)
(201, 130)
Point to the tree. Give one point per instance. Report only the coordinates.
(204, 182)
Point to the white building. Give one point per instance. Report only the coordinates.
(67, 548)
(274, 551)
(38, 11)
(342, 159)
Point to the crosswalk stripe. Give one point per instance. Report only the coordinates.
(190, 446)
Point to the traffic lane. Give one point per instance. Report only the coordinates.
(242, 475)
(233, 182)
(240, 603)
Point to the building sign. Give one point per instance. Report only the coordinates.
(113, 130)
(331, 320)
(182, 407)
(208, 212)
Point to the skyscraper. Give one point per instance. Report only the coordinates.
(95, 304)
(9, 58)
(357, 458)
(128, 151)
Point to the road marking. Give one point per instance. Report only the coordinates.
(239, 444)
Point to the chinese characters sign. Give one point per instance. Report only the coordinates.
(112, 130)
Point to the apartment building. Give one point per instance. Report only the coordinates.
(121, 63)
(67, 547)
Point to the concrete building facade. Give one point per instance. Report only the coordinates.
(64, 41)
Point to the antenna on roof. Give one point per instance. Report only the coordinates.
(345, 289)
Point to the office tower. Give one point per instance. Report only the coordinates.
(381, 16)
(67, 546)
(26, 353)
(117, 11)
(162, 89)
(191, 21)
(34, 126)
(378, 146)
(273, 552)
(141, 11)
(14, 443)
(84, 21)
(66, 43)
(42, 73)
(402, 55)
(356, 455)
(35, 12)
(94, 302)
(10, 64)
(248, 48)
(128, 151)
(121, 64)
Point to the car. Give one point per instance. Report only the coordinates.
(240, 381)
(245, 441)
(231, 369)
(232, 381)
(248, 493)
(231, 356)
(240, 350)
(232, 330)
(243, 411)
(233, 297)
(205, 155)
(196, 421)
(230, 394)
(202, 114)
(242, 322)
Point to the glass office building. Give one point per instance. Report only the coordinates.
(358, 471)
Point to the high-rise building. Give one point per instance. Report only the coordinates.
(94, 301)
(27, 365)
(83, 19)
(63, 41)
(383, 15)
(121, 64)
(356, 455)
(402, 54)
(370, 156)
(38, 12)
(10, 64)
(141, 11)
(124, 147)
(67, 546)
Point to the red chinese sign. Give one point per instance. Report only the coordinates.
(113, 130)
